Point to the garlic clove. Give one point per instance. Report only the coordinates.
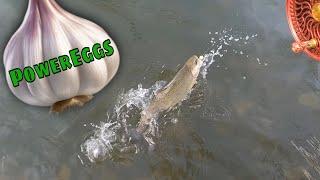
(32, 48)
(57, 43)
(94, 82)
(10, 60)
(89, 27)
(28, 35)
(94, 75)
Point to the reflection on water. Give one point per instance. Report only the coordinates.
(255, 101)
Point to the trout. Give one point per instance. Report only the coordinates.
(168, 97)
(176, 91)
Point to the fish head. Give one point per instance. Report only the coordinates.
(194, 64)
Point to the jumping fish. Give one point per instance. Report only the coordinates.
(173, 93)
(167, 98)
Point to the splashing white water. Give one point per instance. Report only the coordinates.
(114, 132)
(138, 98)
(99, 146)
(227, 42)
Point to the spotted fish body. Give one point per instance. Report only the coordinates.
(173, 93)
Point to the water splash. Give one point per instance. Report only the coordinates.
(113, 135)
(99, 146)
(225, 42)
(136, 98)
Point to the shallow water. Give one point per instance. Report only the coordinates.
(257, 121)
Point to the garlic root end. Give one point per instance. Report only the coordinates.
(75, 101)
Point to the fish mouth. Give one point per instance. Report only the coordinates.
(200, 61)
(196, 69)
(201, 58)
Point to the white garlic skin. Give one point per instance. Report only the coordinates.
(48, 31)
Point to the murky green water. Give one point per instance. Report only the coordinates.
(270, 107)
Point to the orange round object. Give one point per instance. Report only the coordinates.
(304, 21)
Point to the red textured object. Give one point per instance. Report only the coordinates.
(305, 26)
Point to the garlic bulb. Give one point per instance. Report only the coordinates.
(48, 31)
